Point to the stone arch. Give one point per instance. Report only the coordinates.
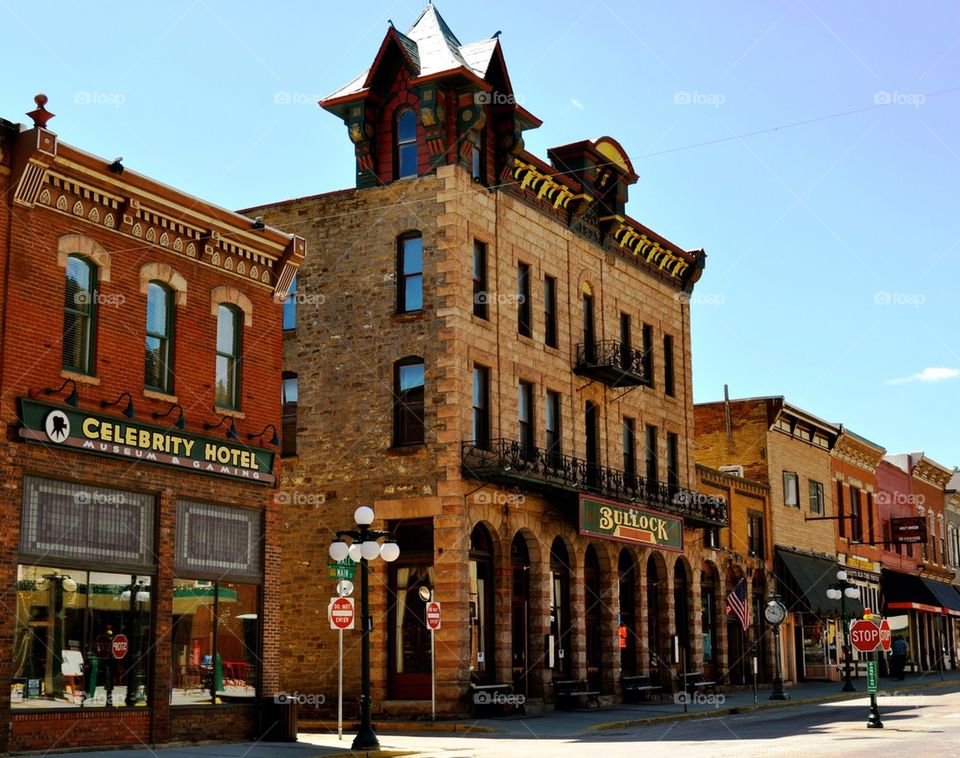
(737, 641)
(657, 614)
(162, 272)
(227, 294)
(81, 244)
(713, 633)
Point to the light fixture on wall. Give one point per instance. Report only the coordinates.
(127, 411)
(181, 422)
(274, 440)
(71, 399)
(231, 427)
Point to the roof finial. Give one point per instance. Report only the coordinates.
(41, 115)
(390, 21)
(496, 34)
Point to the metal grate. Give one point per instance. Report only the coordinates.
(67, 520)
(218, 541)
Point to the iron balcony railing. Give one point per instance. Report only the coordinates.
(612, 362)
(512, 462)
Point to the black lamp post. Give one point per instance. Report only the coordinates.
(137, 593)
(776, 613)
(841, 590)
(367, 540)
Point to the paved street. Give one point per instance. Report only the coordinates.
(922, 723)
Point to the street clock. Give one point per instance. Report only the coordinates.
(775, 611)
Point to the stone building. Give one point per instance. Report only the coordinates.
(140, 355)
(768, 440)
(495, 356)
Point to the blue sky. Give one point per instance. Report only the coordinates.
(833, 249)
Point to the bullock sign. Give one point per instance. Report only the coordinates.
(624, 523)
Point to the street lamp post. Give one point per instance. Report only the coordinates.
(776, 613)
(136, 594)
(364, 547)
(841, 590)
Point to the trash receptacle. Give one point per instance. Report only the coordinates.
(279, 719)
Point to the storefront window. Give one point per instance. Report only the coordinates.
(215, 628)
(82, 639)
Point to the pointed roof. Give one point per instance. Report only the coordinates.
(431, 48)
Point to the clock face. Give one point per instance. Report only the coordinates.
(775, 613)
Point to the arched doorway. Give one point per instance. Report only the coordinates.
(626, 568)
(656, 579)
(520, 613)
(681, 611)
(709, 581)
(591, 581)
(761, 642)
(408, 638)
(737, 655)
(482, 638)
(560, 608)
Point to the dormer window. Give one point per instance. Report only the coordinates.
(406, 142)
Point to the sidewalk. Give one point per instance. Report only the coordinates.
(556, 724)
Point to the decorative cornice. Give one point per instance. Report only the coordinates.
(723, 479)
(534, 180)
(931, 472)
(857, 451)
(646, 249)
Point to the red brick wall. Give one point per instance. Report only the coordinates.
(896, 503)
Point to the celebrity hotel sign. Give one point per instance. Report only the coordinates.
(624, 523)
(104, 435)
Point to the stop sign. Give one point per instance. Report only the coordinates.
(120, 646)
(865, 636)
(433, 615)
(886, 635)
(341, 613)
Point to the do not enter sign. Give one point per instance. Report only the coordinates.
(433, 615)
(865, 635)
(120, 646)
(341, 613)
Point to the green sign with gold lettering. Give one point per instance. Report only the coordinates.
(68, 427)
(625, 523)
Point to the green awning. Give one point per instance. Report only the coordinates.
(804, 581)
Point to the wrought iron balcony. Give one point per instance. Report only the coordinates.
(613, 363)
(510, 462)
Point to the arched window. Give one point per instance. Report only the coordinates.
(288, 418)
(79, 315)
(409, 272)
(408, 394)
(229, 321)
(158, 361)
(290, 307)
(405, 160)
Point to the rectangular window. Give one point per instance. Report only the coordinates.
(221, 540)
(288, 416)
(66, 624)
(552, 424)
(626, 341)
(630, 449)
(648, 354)
(525, 416)
(158, 356)
(524, 327)
(668, 377)
(815, 490)
(290, 307)
(79, 315)
(673, 461)
(711, 536)
(481, 297)
(550, 311)
(229, 327)
(214, 640)
(755, 536)
(408, 402)
(841, 512)
(856, 511)
(653, 462)
(869, 507)
(481, 407)
(791, 495)
(410, 273)
(67, 521)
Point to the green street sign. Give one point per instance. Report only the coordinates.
(343, 570)
(872, 677)
(625, 523)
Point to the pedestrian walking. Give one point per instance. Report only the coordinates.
(898, 662)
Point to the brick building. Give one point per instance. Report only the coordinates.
(490, 352)
(927, 596)
(767, 440)
(139, 377)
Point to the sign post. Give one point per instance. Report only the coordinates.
(873, 720)
(433, 622)
(868, 636)
(342, 616)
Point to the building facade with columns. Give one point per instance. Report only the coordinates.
(490, 352)
(140, 352)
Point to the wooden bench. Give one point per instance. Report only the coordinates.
(637, 687)
(569, 692)
(496, 698)
(696, 682)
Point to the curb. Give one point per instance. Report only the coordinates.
(312, 725)
(769, 705)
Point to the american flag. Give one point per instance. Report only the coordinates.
(737, 603)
